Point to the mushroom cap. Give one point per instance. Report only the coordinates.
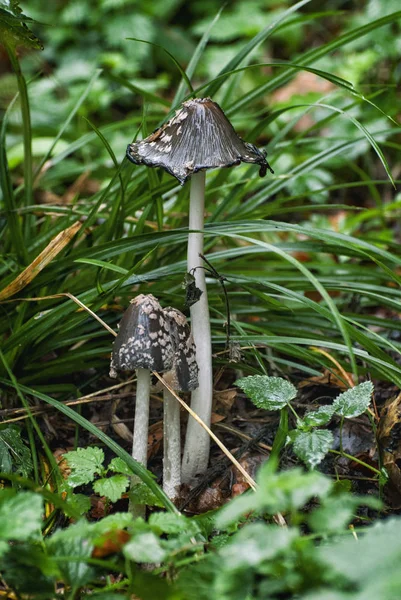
(198, 137)
(184, 374)
(143, 340)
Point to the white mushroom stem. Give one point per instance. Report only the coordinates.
(141, 423)
(197, 442)
(171, 445)
(141, 432)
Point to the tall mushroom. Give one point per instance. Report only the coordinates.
(143, 343)
(183, 377)
(198, 137)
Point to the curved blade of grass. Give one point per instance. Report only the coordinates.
(115, 222)
(77, 106)
(335, 79)
(190, 70)
(135, 467)
(33, 422)
(137, 90)
(255, 41)
(277, 184)
(318, 286)
(366, 133)
(175, 61)
(14, 223)
(392, 372)
(308, 57)
(26, 125)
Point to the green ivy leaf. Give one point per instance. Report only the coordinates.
(354, 401)
(20, 515)
(13, 29)
(270, 393)
(112, 487)
(321, 416)
(84, 463)
(312, 446)
(14, 455)
(144, 547)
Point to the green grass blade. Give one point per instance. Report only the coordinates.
(190, 70)
(213, 88)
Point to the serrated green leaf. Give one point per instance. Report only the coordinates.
(13, 29)
(112, 522)
(270, 393)
(312, 446)
(119, 466)
(73, 543)
(79, 502)
(14, 455)
(163, 522)
(277, 492)
(321, 416)
(249, 546)
(144, 547)
(112, 487)
(142, 494)
(84, 463)
(354, 401)
(20, 515)
(337, 512)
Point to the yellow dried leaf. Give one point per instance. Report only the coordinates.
(41, 261)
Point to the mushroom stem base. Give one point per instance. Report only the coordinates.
(171, 445)
(197, 442)
(141, 431)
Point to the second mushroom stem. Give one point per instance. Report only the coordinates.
(197, 442)
(141, 423)
(172, 445)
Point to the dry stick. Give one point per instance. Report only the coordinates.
(197, 442)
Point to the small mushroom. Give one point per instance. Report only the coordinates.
(198, 137)
(182, 377)
(143, 343)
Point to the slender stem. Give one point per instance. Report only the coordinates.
(341, 434)
(26, 125)
(360, 462)
(197, 442)
(171, 445)
(141, 431)
(141, 424)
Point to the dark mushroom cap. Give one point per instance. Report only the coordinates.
(143, 340)
(184, 374)
(198, 137)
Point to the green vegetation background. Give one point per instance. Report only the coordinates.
(311, 254)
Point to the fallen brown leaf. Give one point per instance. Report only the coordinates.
(41, 261)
